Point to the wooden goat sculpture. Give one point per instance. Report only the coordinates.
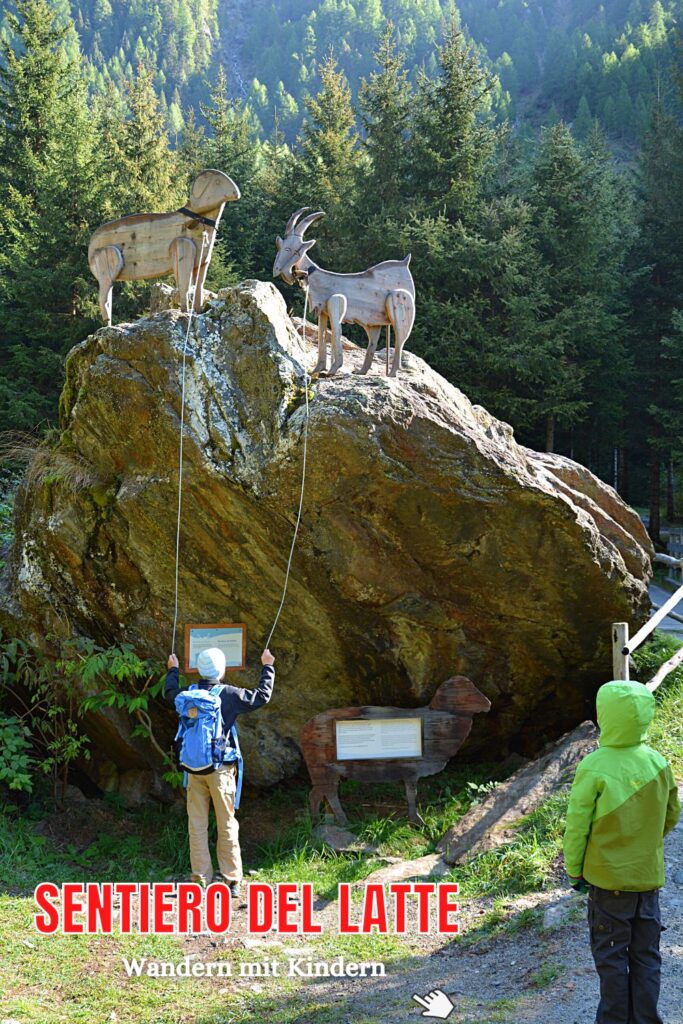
(148, 245)
(382, 295)
(446, 724)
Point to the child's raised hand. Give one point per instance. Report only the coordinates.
(267, 658)
(172, 661)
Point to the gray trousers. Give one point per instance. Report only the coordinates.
(625, 929)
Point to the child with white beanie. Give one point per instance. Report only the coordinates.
(219, 786)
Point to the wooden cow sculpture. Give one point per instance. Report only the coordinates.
(446, 724)
(382, 295)
(148, 245)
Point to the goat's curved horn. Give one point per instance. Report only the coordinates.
(303, 225)
(294, 218)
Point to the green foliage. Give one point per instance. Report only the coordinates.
(47, 197)
(47, 703)
(9, 481)
(523, 865)
(329, 141)
(544, 55)
(451, 138)
(666, 732)
(657, 298)
(16, 763)
(56, 686)
(546, 974)
(385, 101)
(117, 677)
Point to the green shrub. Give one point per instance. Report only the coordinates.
(666, 731)
(16, 763)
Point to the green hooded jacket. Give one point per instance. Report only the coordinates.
(623, 800)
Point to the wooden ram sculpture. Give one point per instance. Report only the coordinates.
(446, 724)
(382, 296)
(148, 245)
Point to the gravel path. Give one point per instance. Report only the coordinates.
(535, 975)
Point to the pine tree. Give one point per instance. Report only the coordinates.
(149, 178)
(583, 121)
(47, 204)
(329, 141)
(623, 112)
(657, 294)
(574, 206)
(327, 164)
(192, 151)
(451, 142)
(234, 147)
(385, 106)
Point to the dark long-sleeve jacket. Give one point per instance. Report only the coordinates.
(234, 699)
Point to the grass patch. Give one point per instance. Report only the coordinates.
(502, 919)
(666, 732)
(546, 975)
(297, 853)
(524, 865)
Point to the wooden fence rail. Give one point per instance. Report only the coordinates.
(623, 647)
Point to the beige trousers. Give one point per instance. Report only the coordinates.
(202, 790)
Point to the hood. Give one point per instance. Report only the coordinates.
(625, 710)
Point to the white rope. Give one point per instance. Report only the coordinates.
(193, 293)
(303, 484)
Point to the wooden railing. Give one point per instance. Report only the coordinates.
(623, 646)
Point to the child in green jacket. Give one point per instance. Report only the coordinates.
(623, 802)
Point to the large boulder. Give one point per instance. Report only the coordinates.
(431, 543)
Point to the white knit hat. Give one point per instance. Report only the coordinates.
(211, 663)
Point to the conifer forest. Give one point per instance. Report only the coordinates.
(528, 153)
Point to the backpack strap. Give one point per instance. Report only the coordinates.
(240, 764)
(215, 690)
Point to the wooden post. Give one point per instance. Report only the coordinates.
(620, 668)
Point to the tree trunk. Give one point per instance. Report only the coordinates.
(655, 497)
(670, 492)
(550, 433)
(623, 481)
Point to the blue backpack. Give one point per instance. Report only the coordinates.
(200, 743)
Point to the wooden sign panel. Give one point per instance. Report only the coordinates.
(372, 739)
(384, 744)
(229, 637)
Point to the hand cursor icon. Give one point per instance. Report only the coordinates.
(436, 1004)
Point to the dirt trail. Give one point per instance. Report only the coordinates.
(510, 979)
(531, 976)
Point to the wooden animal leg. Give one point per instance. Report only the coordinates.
(200, 278)
(373, 334)
(400, 308)
(321, 365)
(332, 795)
(183, 252)
(411, 796)
(106, 264)
(315, 798)
(336, 310)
